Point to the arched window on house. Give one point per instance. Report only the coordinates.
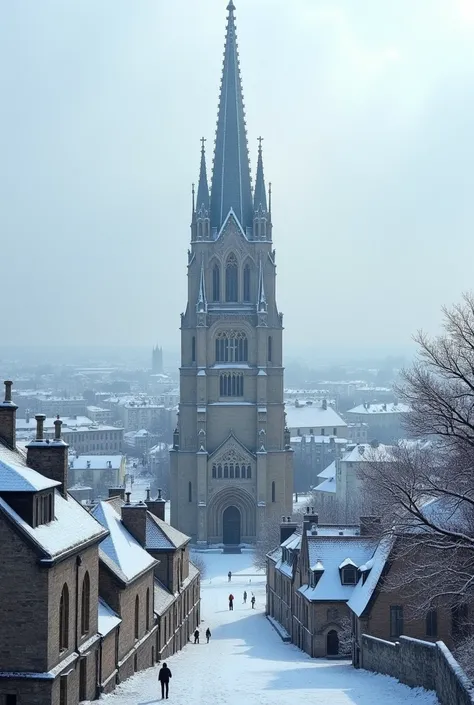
(147, 618)
(216, 283)
(246, 296)
(231, 279)
(85, 604)
(190, 492)
(64, 619)
(273, 492)
(137, 617)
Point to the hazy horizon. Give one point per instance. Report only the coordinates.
(366, 110)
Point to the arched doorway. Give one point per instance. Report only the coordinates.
(231, 526)
(332, 643)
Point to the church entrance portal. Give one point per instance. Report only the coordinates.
(332, 643)
(231, 526)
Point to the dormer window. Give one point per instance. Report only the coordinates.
(349, 575)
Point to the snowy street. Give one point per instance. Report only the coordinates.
(246, 663)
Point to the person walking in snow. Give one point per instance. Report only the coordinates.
(196, 636)
(253, 602)
(231, 602)
(164, 677)
(245, 597)
(229, 576)
(208, 634)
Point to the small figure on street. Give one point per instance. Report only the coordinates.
(253, 602)
(231, 602)
(196, 636)
(245, 597)
(208, 634)
(229, 575)
(164, 677)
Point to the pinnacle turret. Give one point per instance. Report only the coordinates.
(260, 195)
(202, 200)
(201, 305)
(231, 183)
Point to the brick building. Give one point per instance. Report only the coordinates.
(102, 605)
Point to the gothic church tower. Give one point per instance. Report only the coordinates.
(231, 462)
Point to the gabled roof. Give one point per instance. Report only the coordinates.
(363, 592)
(72, 527)
(331, 552)
(232, 443)
(159, 534)
(120, 551)
(16, 476)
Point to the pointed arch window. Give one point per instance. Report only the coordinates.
(137, 617)
(247, 283)
(193, 349)
(85, 604)
(216, 283)
(273, 492)
(231, 384)
(270, 348)
(64, 619)
(232, 346)
(231, 279)
(190, 492)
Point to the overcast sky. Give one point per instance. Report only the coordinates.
(367, 110)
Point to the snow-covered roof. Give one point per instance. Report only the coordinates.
(328, 485)
(346, 562)
(383, 409)
(96, 462)
(159, 534)
(30, 424)
(365, 452)
(73, 526)
(108, 620)
(330, 471)
(362, 592)
(312, 416)
(16, 476)
(120, 551)
(163, 598)
(332, 552)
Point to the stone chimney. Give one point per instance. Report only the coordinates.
(8, 418)
(157, 506)
(117, 492)
(49, 457)
(134, 519)
(309, 518)
(287, 528)
(370, 526)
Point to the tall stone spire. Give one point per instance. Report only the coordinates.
(231, 183)
(260, 195)
(202, 201)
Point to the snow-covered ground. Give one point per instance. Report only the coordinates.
(246, 663)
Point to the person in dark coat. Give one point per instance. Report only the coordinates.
(253, 602)
(164, 677)
(196, 636)
(245, 597)
(231, 601)
(229, 575)
(208, 634)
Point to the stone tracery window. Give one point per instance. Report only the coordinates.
(231, 384)
(216, 283)
(246, 283)
(232, 346)
(231, 279)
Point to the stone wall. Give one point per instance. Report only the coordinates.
(419, 663)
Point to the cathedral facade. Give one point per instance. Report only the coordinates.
(231, 461)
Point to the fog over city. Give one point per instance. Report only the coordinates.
(366, 110)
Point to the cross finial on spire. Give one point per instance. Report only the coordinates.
(203, 143)
(260, 140)
(231, 6)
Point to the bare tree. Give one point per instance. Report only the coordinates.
(425, 495)
(198, 561)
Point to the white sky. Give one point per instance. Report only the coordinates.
(367, 110)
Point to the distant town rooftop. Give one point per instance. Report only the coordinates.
(370, 409)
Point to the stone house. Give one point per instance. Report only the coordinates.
(50, 568)
(387, 613)
(85, 581)
(311, 577)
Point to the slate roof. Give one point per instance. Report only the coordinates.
(16, 476)
(160, 534)
(120, 551)
(362, 592)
